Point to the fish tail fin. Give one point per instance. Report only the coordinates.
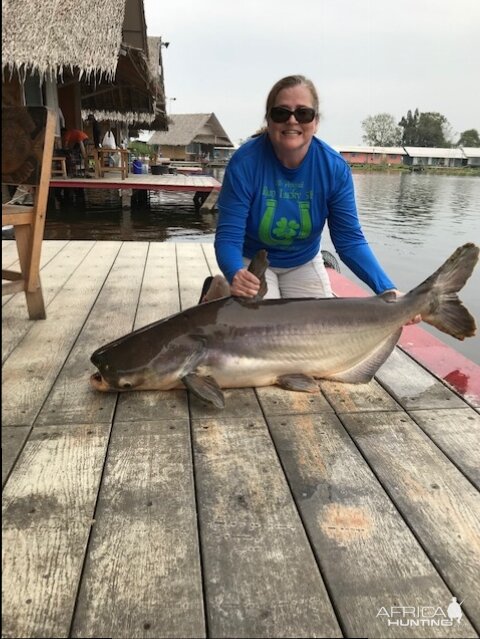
(443, 308)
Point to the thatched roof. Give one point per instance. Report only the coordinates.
(183, 129)
(48, 36)
(135, 96)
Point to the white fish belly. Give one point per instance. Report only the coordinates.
(262, 361)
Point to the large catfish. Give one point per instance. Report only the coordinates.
(234, 342)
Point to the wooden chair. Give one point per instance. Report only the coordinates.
(28, 135)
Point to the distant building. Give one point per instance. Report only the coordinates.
(472, 155)
(372, 154)
(194, 137)
(222, 154)
(425, 156)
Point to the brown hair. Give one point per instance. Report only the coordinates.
(288, 82)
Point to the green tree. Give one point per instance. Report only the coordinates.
(469, 138)
(140, 148)
(425, 129)
(381, 130)
(409, 124)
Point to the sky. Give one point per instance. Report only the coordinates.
(364, 56)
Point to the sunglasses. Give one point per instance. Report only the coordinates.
(303, 115)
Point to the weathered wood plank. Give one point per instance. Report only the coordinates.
(142, 575)
(239, 402)
(260, 576)
(72, 400)
(438, 502)
(278, 401)
(15, 322)
(457, 433)
(368, 555)
(412, 386)
(353, 398)
(48, 505)
(159, 298)
(13, 439)
(209, 252)
(192, 271)
(43, 350)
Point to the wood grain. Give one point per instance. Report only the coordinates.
(438, 502)
(48, 506)
(367, 553)
(42, 351)
(260, 575)
(412, 386)
(72, 400)
(457, 433)
(142, 576)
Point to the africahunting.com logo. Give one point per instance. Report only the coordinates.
(415, 616)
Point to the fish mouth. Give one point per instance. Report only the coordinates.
(99, 383)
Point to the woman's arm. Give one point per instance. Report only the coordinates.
(233, 209)
(347, 235)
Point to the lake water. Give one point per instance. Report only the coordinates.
(412, 221)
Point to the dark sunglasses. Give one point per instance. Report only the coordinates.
(303, 115)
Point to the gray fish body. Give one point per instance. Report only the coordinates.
(235, 342)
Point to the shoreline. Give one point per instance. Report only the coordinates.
(432, 170)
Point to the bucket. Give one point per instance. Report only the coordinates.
(137, 167)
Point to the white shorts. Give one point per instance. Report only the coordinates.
(308, 280)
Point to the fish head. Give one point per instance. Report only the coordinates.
(116, 375)
(146, 360)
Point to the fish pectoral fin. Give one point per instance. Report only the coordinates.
(298, 382)
(205, 388)
(363, 372)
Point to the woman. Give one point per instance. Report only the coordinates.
(279, 189)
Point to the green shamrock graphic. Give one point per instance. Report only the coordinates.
(286, 229)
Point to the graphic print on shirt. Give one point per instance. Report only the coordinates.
(282, 231)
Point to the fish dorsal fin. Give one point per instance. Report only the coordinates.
(363, 372)
(258, 266)
(388, 296)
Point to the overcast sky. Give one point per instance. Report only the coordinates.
(364, 56)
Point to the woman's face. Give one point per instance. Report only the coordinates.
(291, 139)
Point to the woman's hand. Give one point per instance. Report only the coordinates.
(414, 320)
(244, 284)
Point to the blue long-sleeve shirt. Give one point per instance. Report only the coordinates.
(264, 205)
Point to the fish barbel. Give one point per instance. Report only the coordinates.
(235, 342)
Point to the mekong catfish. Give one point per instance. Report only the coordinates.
(234, 342)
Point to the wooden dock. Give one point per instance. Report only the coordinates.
(188, 183)
(353, 512)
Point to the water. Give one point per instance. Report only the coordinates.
(412, 221)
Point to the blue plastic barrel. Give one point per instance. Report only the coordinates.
(137, 167)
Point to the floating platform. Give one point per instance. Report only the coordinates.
(196, 183)
(334, 514)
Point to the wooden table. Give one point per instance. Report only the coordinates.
(100, 155)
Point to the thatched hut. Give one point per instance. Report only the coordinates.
(191, 136)
(83, 56)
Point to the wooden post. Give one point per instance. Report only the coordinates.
(210, 203)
